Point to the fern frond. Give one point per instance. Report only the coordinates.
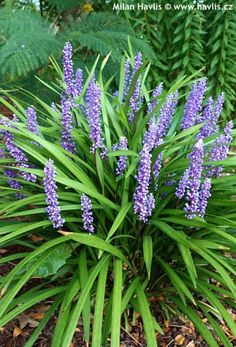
(13, 21)
(63, 5)
(103, 33)
(24, 54)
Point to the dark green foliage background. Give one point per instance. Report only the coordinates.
(177, 42)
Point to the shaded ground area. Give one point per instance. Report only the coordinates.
(16, 333)
(178, 331)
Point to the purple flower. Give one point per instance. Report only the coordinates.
(134, 102)
(190, 182)
(122, 161)
(194, 180)
(157, 167)
(67, 141)
(32, 120)
(155, 133)
(183, 184)
(204, 195)
(87, 215)
(206, 130)
(220, 149)
(218, 107)
(53, 207)
(153, 104)
(68, 70)
(150, 134)
(194, 104)
(93, 112)
(12, 181)
(79, 81)
(210, 117)
(144, 201)
(166, 114)
(16, 152)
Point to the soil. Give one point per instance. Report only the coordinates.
(178, 331)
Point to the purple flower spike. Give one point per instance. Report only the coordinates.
(134, 102)
(194, 104)
(32, 120)
(87, 215)
(122, 161)
(207, 116)
(79, 81)
(53, 207)
(144, 201)
(12, 181)
(157, 165)
(166, 114)
(93, 112)
(218, 107)
(220, 149)
(190, 183)
(67, 141)
(194, 180)
(16, 152)
(150, 135)
(204, 195)
(68, 70)
(210, 116)
(157, 91)
(183, 183)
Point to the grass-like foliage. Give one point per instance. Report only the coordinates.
(133, 197)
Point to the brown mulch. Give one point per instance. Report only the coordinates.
(178, 331)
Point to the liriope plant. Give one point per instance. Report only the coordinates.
(133, 197)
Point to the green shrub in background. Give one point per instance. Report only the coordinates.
(178, 42)
(29, 39)
(186, 41)
(139, 198)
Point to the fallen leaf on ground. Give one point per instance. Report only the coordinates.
(179, 339)
(191, 344)
(37, 315)
(36, 238)
(17, 331)
(3, 251)
(25, 320)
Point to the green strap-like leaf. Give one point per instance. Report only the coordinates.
(146, 317)
(116, 304)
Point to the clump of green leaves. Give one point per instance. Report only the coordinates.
(115, 271)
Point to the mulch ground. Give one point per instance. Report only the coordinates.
(178, 331)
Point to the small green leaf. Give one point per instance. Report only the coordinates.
(148, 253)
(119, 220)
(51, 264)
